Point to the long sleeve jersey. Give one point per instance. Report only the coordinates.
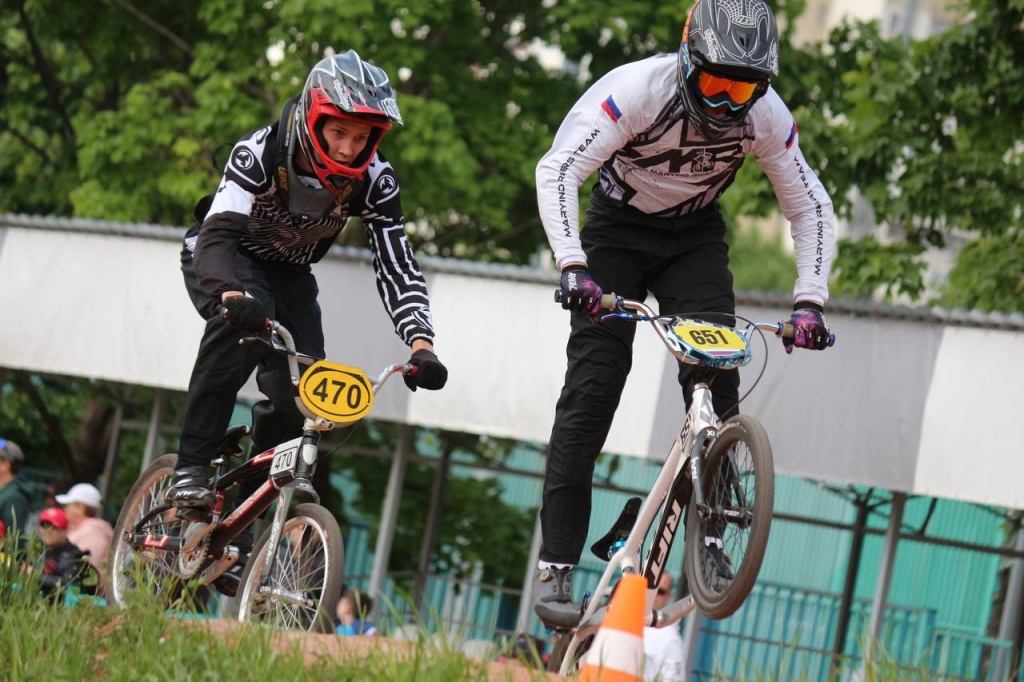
(247, 212)
(631, 126)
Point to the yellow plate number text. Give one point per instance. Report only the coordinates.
(339, 393)
(709, 337)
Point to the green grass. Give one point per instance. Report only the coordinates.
(41, 640)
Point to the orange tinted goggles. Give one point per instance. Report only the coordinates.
(717, 90)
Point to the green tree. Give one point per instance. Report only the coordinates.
(928, 132)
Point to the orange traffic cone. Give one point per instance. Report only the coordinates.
(617, 654)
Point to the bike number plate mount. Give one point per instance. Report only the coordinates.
(338, 393)
(713, 345)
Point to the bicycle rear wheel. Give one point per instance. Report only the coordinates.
(302, 591)
(560, 641)
(739, 487)
(133, 566)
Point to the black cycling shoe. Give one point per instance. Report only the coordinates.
(190, 489)
(552, 598)
(717, 564)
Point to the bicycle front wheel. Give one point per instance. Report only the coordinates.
(303, 586)
(132, 565)
(725, 546)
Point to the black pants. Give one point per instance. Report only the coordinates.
(684, 262)
(289, 293)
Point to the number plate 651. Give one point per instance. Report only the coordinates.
(336, 392)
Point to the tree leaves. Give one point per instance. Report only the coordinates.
(115, 113)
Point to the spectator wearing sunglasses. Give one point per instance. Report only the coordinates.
(14, 495)
(666, 137)
(64, 564)
(663, 647)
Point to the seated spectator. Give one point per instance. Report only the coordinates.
(663, 647)
(85, 529)
(64, 565)
(14, 495)
(353, 613)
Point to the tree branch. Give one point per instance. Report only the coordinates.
(4, 125)
(159, 28)
(52, 424)
(51, 85)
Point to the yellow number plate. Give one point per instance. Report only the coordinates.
(709, 337)
(339, 393)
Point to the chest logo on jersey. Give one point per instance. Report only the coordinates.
(703, 162)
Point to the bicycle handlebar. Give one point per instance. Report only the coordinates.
(281, 341)
(784, 330)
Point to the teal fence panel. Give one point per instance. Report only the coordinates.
(786, 633)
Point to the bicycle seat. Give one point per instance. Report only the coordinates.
(230, 446)
(605, 547)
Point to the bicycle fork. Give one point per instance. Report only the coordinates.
(299, 485)
(706, 433)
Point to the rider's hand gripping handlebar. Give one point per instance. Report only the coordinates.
(783, 330)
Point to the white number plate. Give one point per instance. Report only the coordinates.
(285, 460)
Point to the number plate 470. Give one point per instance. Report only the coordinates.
(338, 393)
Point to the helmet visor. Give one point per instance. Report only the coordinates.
(718, 91)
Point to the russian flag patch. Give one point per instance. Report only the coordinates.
(792, 136)
(611, 109)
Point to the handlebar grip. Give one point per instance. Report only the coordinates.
(788, 331)
(608, 301)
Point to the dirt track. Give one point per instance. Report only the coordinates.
(341, 648)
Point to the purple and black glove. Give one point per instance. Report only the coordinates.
(245, 314)
(430, 373)
(580, 291)
(812, 330)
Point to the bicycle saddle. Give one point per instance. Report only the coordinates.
(605, 547)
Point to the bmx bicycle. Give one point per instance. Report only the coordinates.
(718, 481)
(293, 576)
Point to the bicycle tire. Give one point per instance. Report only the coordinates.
(310, 565)
(135, 568)
(738, 463)
(560, 641)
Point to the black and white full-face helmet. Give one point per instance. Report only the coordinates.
(727, 58)
(344, 86)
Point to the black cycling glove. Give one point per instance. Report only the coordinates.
(579, 290)
(430, 373)
(246, 314)
(811, 328)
